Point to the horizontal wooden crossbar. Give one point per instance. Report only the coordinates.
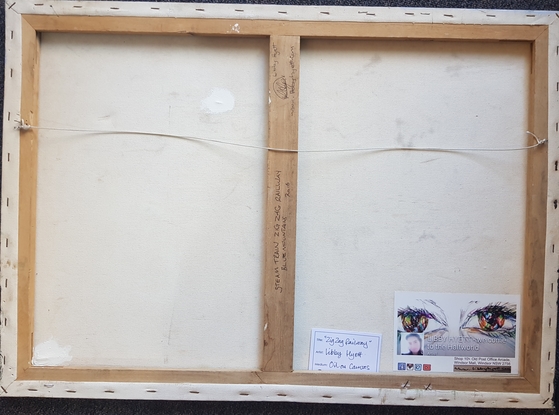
(437, 382)
(230, 27)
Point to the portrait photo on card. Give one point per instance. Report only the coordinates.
(410, 344)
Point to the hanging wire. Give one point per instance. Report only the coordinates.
(24, 126)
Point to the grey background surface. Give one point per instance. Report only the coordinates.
(12, 406)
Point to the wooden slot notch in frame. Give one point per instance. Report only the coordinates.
(280, 218)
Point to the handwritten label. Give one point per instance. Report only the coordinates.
(282, 192)
(284, 86)
(293, 77)
(345, 351)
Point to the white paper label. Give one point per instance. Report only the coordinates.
(344, 351)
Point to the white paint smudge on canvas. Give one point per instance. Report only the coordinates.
(220, 100)
(50, 353)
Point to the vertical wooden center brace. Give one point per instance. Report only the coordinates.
(281, 204)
